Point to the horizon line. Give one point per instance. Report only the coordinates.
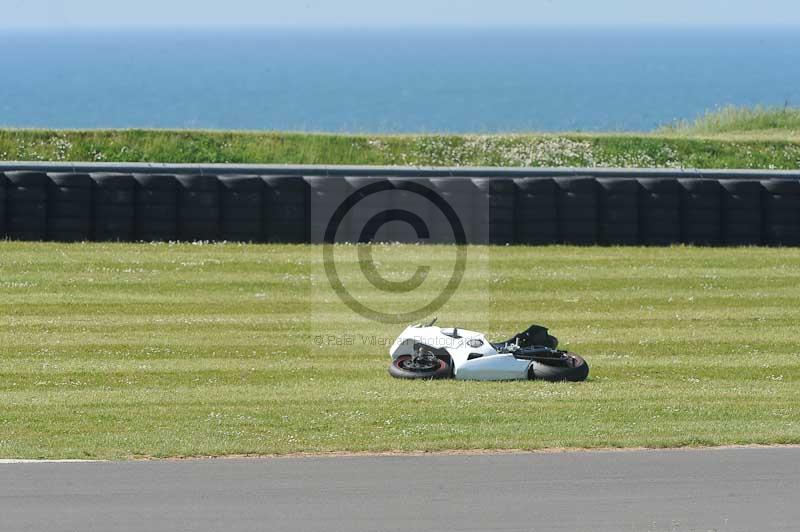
(367, 27)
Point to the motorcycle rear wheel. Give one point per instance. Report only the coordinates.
(401, 368)
(571, 367)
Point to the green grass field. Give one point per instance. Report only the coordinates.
(119, 351)
(760, 138)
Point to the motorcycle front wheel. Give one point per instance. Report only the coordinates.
(403, 368)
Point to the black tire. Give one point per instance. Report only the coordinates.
(536, 198)
(24, 179)
(741, 195)
(24, 193)
(164, 182)
(700, 185)
(498, 193)
(659, 239)
(157, 231)
(582, 186)
(741, 187)
(326, 193)
(68, 224)
(114, 230)
(782, 217)
(619, 186)
(70, 180)
(242, 197)
(535, 210)
(702, 217)
(458, 193)
(666, 186)
(288, 190)
(26, 236)
(157, 212)
(787, 187)
(198, 182)
(363, 211)
(742, 217)
(660, 217)
(578, 205)
(31, 209)
(538, 233)
(286, 233)
(620, 216)
(397, 370)
(198, 198)
(242, 231)
(783, 235)
(578, 232)
(2, 206)
(68, 236)
(704, 236)
(619, 234)
(536, 186)
(23, 225)
(198, 214)
(618, 201)
(69, 194)
(113, 190)
(576, 371)
(402, 198)
(242, 208)
(501, 234)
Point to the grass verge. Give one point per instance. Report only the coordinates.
(741, 122)
(131, 350)
(757, 138)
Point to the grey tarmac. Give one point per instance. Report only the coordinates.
(731, 489)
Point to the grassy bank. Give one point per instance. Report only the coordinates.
(113, 351)
(777, 123)
(731, 138)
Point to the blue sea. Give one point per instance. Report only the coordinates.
(391, 81)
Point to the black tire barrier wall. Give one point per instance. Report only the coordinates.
(534, 210)
(69, 211)
(286, 203)
(619, 211)
(2, 204)
(781, 212)
(242, 212)
(156, 207)
(26, 205)
(198, 207)
(403, 197)
(742, 212)
(493, 210)
(536, 216)
(701, 222)
(460, 193)
(114, 207)
(660, 211)
(578, 210)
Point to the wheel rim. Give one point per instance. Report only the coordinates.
(421, 366)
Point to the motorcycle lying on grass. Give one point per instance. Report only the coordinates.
(430, 352)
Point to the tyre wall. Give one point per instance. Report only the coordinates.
(606, 209)
(781, 205)
(26, 205)
(3, 182)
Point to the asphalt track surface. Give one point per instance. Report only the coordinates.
(725, 490)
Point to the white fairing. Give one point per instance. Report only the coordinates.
(460, 344)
